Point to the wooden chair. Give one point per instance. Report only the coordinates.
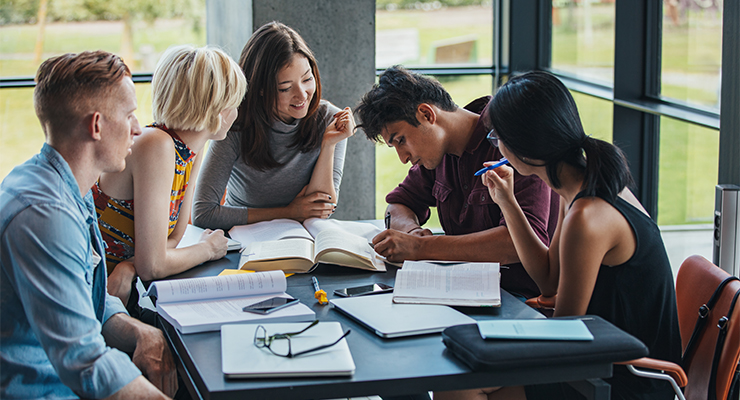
(542, 302)
(697, 281)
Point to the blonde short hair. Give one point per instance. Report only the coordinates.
(191, 86)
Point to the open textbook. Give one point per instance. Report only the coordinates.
(448, 283)
(294, 247)
(204, 304)
(192, 236)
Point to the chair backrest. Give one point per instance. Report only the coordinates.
(696, 282)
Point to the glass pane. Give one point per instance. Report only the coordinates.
(389, 171)
(583, 38)
(597, 115)
(692, 51)
(20, 132)
(137, 35)
(689, 155)
(433, 32)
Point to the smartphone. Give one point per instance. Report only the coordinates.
(270, 305)
(363, 290)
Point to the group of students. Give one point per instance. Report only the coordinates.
(561, 217)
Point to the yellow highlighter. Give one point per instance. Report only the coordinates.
(320, 295)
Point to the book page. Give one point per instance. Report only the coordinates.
(463, 281)
(218, 287)
(338, 239)
(210, 315)
(356, 228)
(269, 230)
(278, 249)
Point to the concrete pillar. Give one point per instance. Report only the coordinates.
(229, 25)
(342, 36)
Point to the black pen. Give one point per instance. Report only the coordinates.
(387, 226)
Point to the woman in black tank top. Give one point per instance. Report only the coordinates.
(607, 257)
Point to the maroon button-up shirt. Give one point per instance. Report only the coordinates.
(464, 205)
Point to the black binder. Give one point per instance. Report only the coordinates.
(610, 344)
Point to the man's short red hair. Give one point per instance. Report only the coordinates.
(71, 85)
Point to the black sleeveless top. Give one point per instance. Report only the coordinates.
(639, 297)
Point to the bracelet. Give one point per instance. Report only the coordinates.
(413, 229)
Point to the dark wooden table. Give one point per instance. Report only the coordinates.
(383, 366)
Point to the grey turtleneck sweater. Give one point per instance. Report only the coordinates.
(250, 188)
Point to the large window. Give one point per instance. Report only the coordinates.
(583, 39)
(692, 52)
(20, 132)
(416, 33)
(688, 173)
(678, 78)
(138, 31)
(596, 115)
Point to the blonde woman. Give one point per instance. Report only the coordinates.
(195, 95)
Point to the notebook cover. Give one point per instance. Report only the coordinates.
(390, 320)
(240, 358)
(534, 329)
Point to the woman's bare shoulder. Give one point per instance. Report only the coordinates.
(599, 223)
(153, 149)
(591, 216)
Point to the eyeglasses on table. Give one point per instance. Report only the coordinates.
(263, 340)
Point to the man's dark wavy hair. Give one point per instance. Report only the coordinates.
(396, 97)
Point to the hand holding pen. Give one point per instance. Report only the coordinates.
(387, 221)
(500, 183)
(502, 161)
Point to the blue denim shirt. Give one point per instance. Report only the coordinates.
(53, 299)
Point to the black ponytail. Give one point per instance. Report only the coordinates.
(607, 172)
(536, 118)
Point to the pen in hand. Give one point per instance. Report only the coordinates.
(387, 226)
(499, 163)
(320, 295)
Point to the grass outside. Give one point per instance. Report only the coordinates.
(443, 24)
(17, 42)
(688, 156)
(21, 135)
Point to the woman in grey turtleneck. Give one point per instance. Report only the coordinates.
(284, 156)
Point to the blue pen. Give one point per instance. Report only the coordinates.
(500, 162)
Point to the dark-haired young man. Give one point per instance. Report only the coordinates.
(62, 335)
(446, 145)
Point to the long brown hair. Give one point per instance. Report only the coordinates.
(269, 49)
